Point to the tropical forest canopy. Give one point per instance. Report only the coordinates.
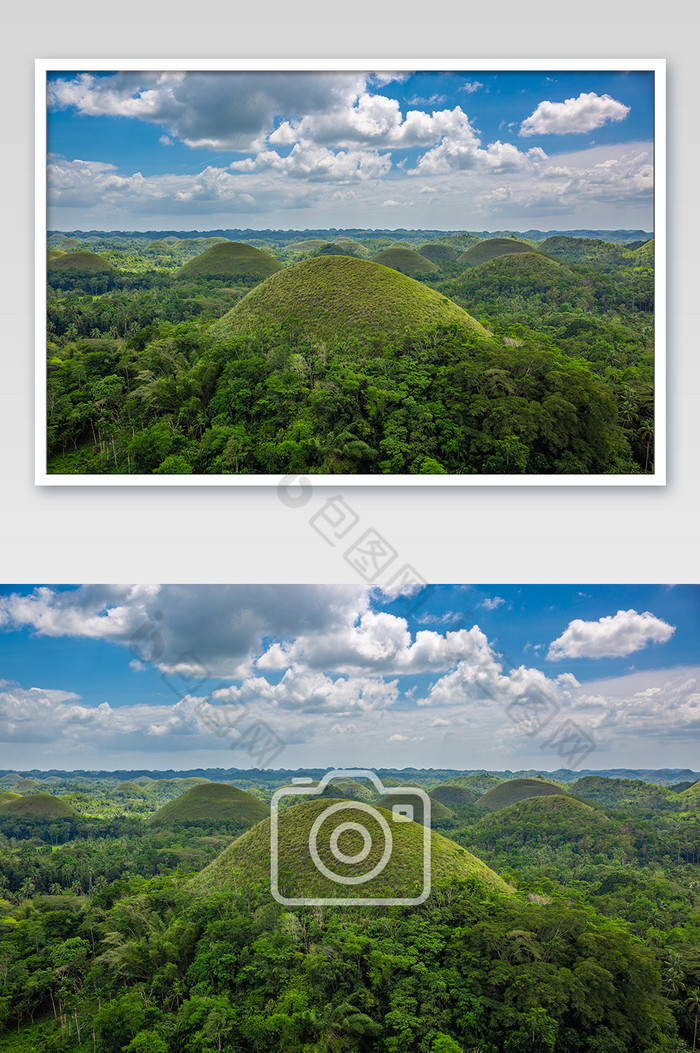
(136, 917)
(353, 352)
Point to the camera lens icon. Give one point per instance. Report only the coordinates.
(344, 857)
(326, 847)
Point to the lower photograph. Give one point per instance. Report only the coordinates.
(443, 818)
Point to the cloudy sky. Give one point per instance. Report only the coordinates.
(294, 676)
(295, 150)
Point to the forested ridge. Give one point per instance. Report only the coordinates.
(141, 380)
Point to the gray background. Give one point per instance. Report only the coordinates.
(448, 534)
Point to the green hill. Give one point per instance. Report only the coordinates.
(453, 796)
(644, 255)
(406, 261)
(491, 248)
(515, 790)
(230, 259)
(438, 811)
(8, 796)
(691, 796)
(616, 793)
(41, 805)
(245, 864)
(214, 801)
(438, 253)
(554, 819)
(330, 296)
(127, 788)
(520, 264)
(309, 245)
(81, 263)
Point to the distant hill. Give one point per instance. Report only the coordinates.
(516, 790)
(491, 248)
(212, 801)
(438, 811)
(406, 261)
(80, 263)
(245, 864)
(308, 245)
(615, 793)
(8, 796)
(453, 796)
(591, 250)
(551, 820)
(438, 253)
(41, 805)
(327, 297)
(230, 259)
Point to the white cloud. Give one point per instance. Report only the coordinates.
(470, 86)
(318, 163)
(217, 110)
(584, 114)
(491, 603)
(612, 636)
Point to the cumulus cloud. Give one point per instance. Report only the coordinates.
(318, 163)
(217, 110)
(584, 114)
(612, 636)
(222, 626)
(464, 154)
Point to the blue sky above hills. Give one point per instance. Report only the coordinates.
(444, 150)
(451, 676)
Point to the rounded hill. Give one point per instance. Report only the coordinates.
(245, 864)
(438, 253)
(516, 790)
(514, 265)
(81, 263)
(330, 296)
(213, 801)
(41, 805)
(230, 259)
(308, 245)
(453, 796)
(491, 248)
(438, 811)
(406, 261)
(550, 820)
(8, 796)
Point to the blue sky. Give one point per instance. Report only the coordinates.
(444, 150)
(139, 676)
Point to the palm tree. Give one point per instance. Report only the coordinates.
(693, 1003)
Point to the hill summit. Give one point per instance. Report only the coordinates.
(215, 801)
(245, 864)
(329, 296)
(230, 259)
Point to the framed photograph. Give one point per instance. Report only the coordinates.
(385, 272)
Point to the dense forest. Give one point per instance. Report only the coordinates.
(136, 917)
(452, 353)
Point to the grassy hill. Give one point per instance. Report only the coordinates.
(308, 245)
(245, 864)
(522, 265)
(8, 796)
(230, 259)
(691, 796)
(214, 801)
(516, 790)
(42, 805)
(617, 793)
(438, 811)
(406, 261)
(551, 820)
(438, 253)
(80, 263)
(453, 796)
(491, 248)
(328, 296)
